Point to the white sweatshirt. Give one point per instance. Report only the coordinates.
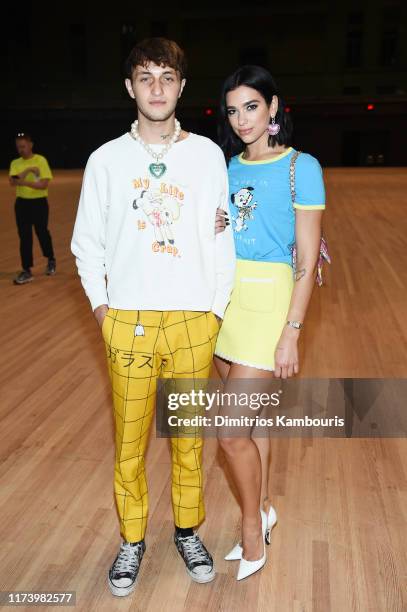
(154, 238)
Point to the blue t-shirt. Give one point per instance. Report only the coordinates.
(263, 218)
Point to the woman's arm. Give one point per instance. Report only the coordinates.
(308, 238)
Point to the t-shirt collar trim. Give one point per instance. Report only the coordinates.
(264, 161)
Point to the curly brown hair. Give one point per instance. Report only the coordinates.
(161, 51)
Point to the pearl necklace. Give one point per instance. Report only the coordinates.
(158, 168)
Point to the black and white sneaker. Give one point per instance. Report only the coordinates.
(123, 573)
(23, 277)
(51, 268)
(198, 561)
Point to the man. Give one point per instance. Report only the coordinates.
(146, 219)
(30, 174)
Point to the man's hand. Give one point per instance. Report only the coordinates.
(41, 184)
(100, 313)
(32, 169)
(221, 221)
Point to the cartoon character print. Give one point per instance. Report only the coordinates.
(161, 212)
(242, 200)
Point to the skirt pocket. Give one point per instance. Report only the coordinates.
(257, 294)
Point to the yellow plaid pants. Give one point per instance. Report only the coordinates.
(175, 344)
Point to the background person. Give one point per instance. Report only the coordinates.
(30, 175)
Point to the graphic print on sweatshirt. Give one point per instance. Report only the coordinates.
(242, 200)
(159, 207)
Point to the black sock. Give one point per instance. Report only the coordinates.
(184, 532)
(134, 543)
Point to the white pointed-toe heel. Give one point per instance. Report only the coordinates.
(271, 521)
(235, 554)
(247, 568)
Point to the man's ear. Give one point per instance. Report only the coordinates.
(129, 87)
(182, 87)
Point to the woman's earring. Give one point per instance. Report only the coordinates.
(273, 127)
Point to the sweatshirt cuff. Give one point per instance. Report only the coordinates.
(98, 298)
(219, 304)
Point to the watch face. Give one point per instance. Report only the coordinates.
(295, 324)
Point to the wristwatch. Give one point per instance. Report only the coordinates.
(295, 324)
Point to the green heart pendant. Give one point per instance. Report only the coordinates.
(157, 170)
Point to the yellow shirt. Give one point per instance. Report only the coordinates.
(20, 164)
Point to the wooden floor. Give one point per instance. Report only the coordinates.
(341, 541)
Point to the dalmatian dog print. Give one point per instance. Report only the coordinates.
(243, 201)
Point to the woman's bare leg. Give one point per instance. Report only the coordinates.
(262, 440)
(222, 366)
(263, 446)
(245, 465)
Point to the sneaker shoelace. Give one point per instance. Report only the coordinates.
(128, 559)
(193, 547)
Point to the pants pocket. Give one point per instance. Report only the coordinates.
(104, 322)
(213, 324)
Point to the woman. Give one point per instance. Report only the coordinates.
(259, 335)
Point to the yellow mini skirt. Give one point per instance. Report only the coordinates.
(256, 314)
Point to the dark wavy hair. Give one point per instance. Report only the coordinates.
(260, 79)
(161, 51)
